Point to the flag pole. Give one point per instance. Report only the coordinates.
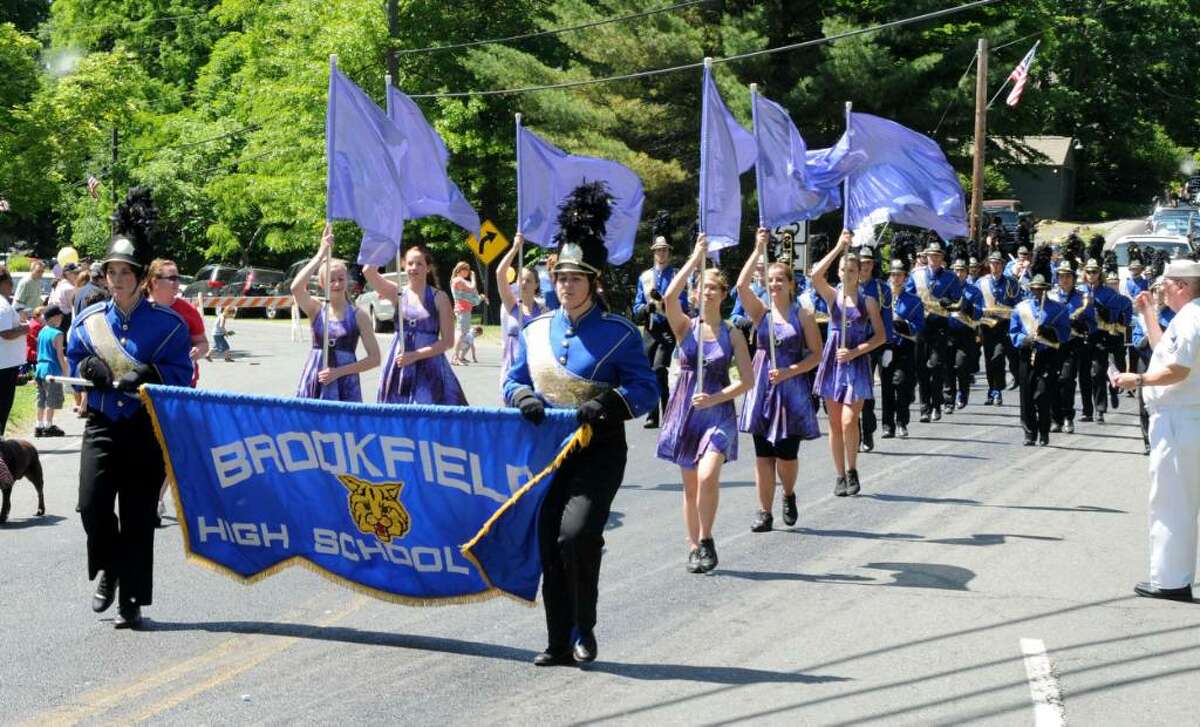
(397, 312)
(845, 226)
(703, 224)
(520, 250)
(328, 258)
(761, 219)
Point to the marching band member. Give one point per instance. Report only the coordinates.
(1113, 313)
(334, 375)
(700, 429)
(964, 350)
(1039, 324)
(416, 370)
(580, 357)
(898, 380)
(1135, 283)
(938, 289)
(1000, 293)
(855, 329)
(118, 345)
(1072, 353)
(519, 309)
(1141, 345)
(657, 338)
(875, 288)
(778, 411)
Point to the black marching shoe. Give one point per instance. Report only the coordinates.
(693, 561)
(708, 555)
(1044, 442)
(790, 513)
(888, 433)
(999, 399)
(53, 431)
(1114, 400)
(924, 418)
(1056, 428)
(763, 523)
(1100, 418)
(651, 423)
(1146, 590)
(585, 647)
(903, 432)
(839, 487)
(1146, 448)
(1029, 441)
(991, 395)
(39, 431)
(852, 486)
(937, 413)
(554, 657)
(106, 591)
(129, 616)
(1086, 418)
(866, 445)
(962, 401)
(1069, 427)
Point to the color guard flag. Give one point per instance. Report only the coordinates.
(1020, 75)
(365, 154)
(546, 175)
(786, 190)
(726, 151)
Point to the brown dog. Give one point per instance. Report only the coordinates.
(22, 460)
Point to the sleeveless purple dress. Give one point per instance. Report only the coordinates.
(687, 433)
(513, 322)
(785, 410)
(430, 380)
(850, 382)
(343, 343)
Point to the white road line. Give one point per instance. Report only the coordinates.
(1043, 687)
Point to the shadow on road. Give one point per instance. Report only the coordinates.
(976, 539)
(678, 486)
(924, 454)
(904, 575)
(711, 674)
(34, 521)
(884, 497)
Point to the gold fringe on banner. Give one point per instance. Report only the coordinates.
(581, 438)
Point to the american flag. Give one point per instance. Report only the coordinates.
(4, 205)
(1020, 74)
(92, 185)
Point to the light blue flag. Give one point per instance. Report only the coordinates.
(546, 175)
(899, 175)
(365, 153)
(787, 191)
(428, 189)
(726, 151)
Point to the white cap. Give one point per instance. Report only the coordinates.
(1183, 269)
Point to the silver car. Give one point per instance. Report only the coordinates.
(382, 311)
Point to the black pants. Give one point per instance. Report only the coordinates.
(1038, 380)
(995, 352)
(1108, 348)
(932, 354)
(897, 384)
(659, 345)
(962, 362)
(1140, 366)
(571, 535)
(120, 464)
(1071, 360)
(867, 421)
(8, 391)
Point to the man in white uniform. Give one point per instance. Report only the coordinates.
(1172, 394)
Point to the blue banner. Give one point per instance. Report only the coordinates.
(413, 504)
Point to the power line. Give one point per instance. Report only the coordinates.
(556, 31)
(114, 23)
(727, 59)
(235, 132)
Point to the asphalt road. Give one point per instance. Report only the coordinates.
(915, 603)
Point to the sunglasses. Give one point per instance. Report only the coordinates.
(172, 278)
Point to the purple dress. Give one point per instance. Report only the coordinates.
(513, 322)
(689, 433)
(430, 380)
(784, 410)
(343, 342)
(849, 382)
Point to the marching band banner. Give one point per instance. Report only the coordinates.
(412, 504)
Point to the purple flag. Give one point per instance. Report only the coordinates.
(726, 150)
(787, 190)
(428, 189)
(899, 175)
(364, 152)
(547, 174)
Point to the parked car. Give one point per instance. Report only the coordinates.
(1174, 244)
(252, 282)
(380, 310)
(208, 280)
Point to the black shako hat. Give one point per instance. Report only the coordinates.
(582, 222)
(133, 229)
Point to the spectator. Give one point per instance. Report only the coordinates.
(63, 294)
(466, 296)
(51, 361)
(29, 290)
(466, 343)
(220, 331)
(90, 288)
(13, 329)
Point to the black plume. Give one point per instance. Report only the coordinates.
(1110, 261)
(904, 248)
(661, 226)
(1095, 248)
(584, 214)
(1072, 249)
(962, 250)
(1156, 260)
(1135, 253)
(1041, 263)
(136, 217)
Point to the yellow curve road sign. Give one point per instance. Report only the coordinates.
(489, 244)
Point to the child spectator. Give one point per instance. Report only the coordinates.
(31, 341)
(465, 343)
(220, 331)
(51, 361)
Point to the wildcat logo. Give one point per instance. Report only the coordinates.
(376, 508)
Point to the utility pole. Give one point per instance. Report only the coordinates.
(981, 60)
(112, 180)
(393, 18)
